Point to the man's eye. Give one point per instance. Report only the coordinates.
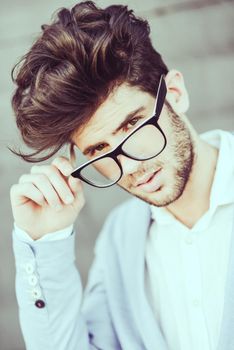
(97, 149)
(100, 147)
(132, 122)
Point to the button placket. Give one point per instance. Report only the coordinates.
(193, 285)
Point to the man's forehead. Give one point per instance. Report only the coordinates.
(122, 101)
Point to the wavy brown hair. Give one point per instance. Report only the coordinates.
(73, 66)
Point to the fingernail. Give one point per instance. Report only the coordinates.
(77, 181)
(69, 199)
(78, 185)
(68, 170)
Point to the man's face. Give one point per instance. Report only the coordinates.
(158, 181)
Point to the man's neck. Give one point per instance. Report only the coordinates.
(195, 200)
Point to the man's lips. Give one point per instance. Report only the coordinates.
(146, 178)
(152, 183)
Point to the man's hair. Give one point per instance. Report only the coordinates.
(72, 67)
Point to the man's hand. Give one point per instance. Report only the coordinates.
(47, 199)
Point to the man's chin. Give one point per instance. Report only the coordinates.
(162, 197)
(159, 198)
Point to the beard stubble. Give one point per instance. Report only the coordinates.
(182, 152)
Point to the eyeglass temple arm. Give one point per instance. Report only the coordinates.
(161, 93)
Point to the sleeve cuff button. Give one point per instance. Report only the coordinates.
(40, 303)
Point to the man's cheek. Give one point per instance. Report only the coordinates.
(124, 183)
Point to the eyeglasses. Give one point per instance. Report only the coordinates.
(145, 142)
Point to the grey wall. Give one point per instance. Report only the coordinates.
(195, 37)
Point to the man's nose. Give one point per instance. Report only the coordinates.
(129, 165)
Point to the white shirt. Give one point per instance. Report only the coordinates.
(186, 268)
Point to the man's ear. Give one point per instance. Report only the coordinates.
(177, 95)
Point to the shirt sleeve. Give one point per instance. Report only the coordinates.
(51, 236)
(49, 293)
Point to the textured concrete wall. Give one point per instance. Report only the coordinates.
(195, 37)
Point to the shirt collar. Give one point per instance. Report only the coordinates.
(222, 190)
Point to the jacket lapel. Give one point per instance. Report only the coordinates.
(138, 224)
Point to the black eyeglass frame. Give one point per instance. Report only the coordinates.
(153, 120)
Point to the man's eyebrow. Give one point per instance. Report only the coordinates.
(128, 117)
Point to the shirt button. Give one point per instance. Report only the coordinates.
(196, 302)
(189, 240)
(36, 293)
(40, 304)
(32, 280)
(29, 268)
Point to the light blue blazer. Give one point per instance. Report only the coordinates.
(113, 312)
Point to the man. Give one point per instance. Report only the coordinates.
(162, 273)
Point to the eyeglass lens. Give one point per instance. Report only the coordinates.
(145, 143)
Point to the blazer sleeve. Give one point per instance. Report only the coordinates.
(54, 313)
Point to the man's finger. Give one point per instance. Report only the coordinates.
(63, 164)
